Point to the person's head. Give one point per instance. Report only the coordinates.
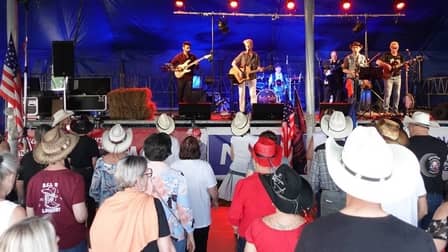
(196, 132)
(336, 125)
(240, 124)
(278, 68)
(391, 131)
(55, 146)
(62, 118)
(117, 140)
(40, 131)
(248, 44)
(269, 134)
(356, 46)
(35, 234)
(189, 148)
(289, 192)
(157, 147)
(81, 126)
(186, 46)
(394, 47)
(266, 154)
(419, 123)
(8, 171)
(132, 172)
(165, 123)
(333, 55)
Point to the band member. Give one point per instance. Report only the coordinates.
(351, 66)
(333, 84)
(279, 82)
(390, 61)
(247, 59)
(184, 83)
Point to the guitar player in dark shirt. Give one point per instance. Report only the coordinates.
(183, 73)
(391, 62)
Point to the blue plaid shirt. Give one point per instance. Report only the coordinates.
(319, 177)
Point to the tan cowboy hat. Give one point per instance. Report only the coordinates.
(165, 124)
(391, 131)
(60, 115)
(117, 139)
(240, 124)
(54, 146)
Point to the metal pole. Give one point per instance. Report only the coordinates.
(366, 44)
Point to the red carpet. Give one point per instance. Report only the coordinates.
(221, 237)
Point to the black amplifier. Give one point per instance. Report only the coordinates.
(87, 102)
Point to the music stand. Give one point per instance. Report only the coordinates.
(371, 73)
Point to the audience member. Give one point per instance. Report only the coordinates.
(202, 190)
(58, 191)
(251, 201)
(431, 153)
(131, 220)
(370, 171)
(116, 142)
(10, 212)
(28, 166)
(332, 198)
(170, 186)
(165, 124)
(196, 132)
(291, 195)
(31, 234)
(438, 227)
(239, 153)
(62, 119)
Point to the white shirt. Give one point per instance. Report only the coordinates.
(175, 148)
(6, 209)
(241, 155)
(200, 177)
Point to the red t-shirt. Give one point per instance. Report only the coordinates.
(53, 193)
(268, 239)
(250, 201)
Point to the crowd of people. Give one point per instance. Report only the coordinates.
(376, 187)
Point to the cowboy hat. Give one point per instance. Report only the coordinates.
(266, 152)
(391, 131)
(117, 139)
(60, 115)
(370, 169)
(240, 124)
(336, 125)
(289, 192)
(420, 118)
(165, 124)
(55, 145)
(81, 125)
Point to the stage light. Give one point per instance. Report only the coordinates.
(222, 25)
(180, 4)
(399, 5)
(346, 5)
(233, 4)
(290, 5)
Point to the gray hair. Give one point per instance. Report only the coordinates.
(129, 170)
(8, 165)
(35, 234)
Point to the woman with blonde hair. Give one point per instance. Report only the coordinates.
(31, 234)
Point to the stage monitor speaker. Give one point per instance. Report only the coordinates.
(344, 107)
(273, 111)
(197, 111)
(39, 106)
(90, 86)
(63, 58)
(87, 102)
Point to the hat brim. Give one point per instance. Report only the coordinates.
(66, 115)
(167, 130)
(239, 131)
(41, 157)
(405, 169)
(74, 127)
(325, 127)
(408, 120)
(117, 148)
(274, 161)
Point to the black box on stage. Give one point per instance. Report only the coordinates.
(63, 58)
(344, 107)
(87, 102)
(273, 111)
(90, 86)
(39, 106)
(201, 111)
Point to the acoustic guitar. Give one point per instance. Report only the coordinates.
(182, 69)
(240, 75)
(395, 68)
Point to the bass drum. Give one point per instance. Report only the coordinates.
(266, 96)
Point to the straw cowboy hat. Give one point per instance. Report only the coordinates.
(60, 115)
(81, 125)
(370, 169)
(54, 146)
(266, 152)
(165, 124)
(289, 192)
(391, 131)
(117, 139)
(240, 124)
(336, 125)
(420, 118)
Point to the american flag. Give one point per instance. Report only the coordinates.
(288, 129)
(11, 88)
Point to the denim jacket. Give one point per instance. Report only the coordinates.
(103, 183)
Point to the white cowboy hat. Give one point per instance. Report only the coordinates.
(420, 118)
(54, 146)
(370, 169)
(165, 124)
(240, 124)
(60, 115)
(336, 125)
(117, 139)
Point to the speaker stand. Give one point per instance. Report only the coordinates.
(65, 93)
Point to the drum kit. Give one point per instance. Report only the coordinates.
(278, 92)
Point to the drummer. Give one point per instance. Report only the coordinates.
(279, 83)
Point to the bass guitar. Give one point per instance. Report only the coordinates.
(182, 69)
(395, 68)
(240, 75)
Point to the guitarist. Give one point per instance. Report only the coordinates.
(184, 84)
(351, 66)
(247, 59)
(392, 76)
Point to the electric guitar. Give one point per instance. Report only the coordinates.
(395, 68)
(182, 69)
(242, 74)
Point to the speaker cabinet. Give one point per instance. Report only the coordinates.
(344, 107)
(63, 58)
(201, 111)
(272, 111)
(41, 106)
(87, 102)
